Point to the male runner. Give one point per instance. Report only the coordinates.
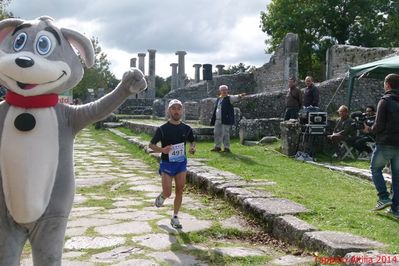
(173, 136)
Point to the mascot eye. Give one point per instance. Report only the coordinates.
(43, 45)
(20, 41)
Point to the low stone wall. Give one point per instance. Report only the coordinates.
(263, 105)
(136, 107)
(256, 129)
(201, 133)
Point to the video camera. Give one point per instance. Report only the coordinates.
(359, 119)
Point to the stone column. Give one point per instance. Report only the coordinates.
(181, 71)
(151, 74)
(141, 61)
(197, 72)
(133, 62)
(220, 69)
(173, 84)
(291, 50)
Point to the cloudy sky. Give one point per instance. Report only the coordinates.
(211, 32)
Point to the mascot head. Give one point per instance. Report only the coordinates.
(38, 58)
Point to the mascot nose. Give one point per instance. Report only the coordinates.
(24, 61)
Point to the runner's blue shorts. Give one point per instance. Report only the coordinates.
(172, 168)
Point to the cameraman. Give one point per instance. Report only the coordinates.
(367, 120)
(386, 129)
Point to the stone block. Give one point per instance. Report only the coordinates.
(267, 209)
(290, 228)
(158, 108)
(206, 110)
(256, 129)
(337, 243)
(191, 110)
(268, 140)
(237, 195)
(290, 134)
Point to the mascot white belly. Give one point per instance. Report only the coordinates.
(29, 161)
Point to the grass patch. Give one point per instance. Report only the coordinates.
(213, 209)
(216, 232)
(124, 145)
(324, 158)
(337, 201)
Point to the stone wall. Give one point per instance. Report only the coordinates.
(262, 105)
(366, 92)
(137, 107)
(243, 82)
(193, 92)
(273, 76)
(341, 57)
(256, 129)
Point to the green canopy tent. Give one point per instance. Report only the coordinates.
(377, 69)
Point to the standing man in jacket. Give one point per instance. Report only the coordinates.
(386, 129)
(223, 118)
(311, 95)
(293, 100)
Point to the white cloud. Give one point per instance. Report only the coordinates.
(217, 32)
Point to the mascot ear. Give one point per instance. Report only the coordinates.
(8, 25)
(82, 44)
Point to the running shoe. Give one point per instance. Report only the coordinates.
(159, 200)
(175, 223)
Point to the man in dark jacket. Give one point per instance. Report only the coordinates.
(386, 130)
(311, 94)
(293, 100)
(223, 118)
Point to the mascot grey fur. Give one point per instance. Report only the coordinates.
(37, 62)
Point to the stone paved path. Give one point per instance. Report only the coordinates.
(114, 222)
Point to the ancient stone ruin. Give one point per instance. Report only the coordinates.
(261, 111)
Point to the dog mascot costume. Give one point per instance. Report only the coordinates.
(37, 62)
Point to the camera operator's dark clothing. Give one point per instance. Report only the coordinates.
(386, 126)
(345, 129)
(360, 143)
(361, 140)
(311, 96)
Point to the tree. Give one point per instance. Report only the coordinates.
(235, 69)
(320, 24)
(99, 76)
(162, 86)
(3, 12)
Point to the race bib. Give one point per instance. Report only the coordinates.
(177, 154)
